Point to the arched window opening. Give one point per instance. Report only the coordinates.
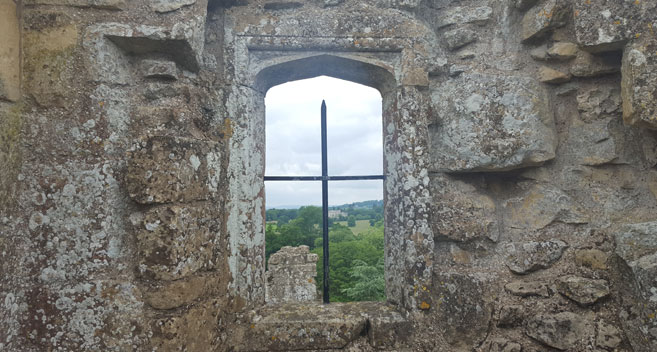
(355, 207)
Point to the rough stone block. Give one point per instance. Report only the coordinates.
(591, 144)
(526, 257)
(491, 123)
(634, 241)
(159, 69)
(598, 102)
(9, 51)
(109, 44)
(563, 51)
(459, 37)
(608, 336)
(169, 169)
(48, 71)
(462, 213)
(511, 315)
(163, 6)
(582, 290)
(165, 295)
(287, 327)
(639, 84)
(464, 307)
(552, 76)
(541, 19)
(462, 15)
(563, 331)
(592, 258)
(175, 242)
(540, 206)
(604, 25)
(194, 328)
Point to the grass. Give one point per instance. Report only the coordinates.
(361, 226)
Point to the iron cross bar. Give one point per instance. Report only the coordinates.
(324, 178)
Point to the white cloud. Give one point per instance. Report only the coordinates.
(294, 144)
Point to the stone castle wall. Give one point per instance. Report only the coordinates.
(519, 147)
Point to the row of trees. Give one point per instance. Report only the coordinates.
(355, 261)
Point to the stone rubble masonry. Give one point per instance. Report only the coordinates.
(519, 146)
(291, 275)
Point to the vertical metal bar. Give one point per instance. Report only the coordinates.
(325, 228)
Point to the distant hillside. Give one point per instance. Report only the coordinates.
(368, 204)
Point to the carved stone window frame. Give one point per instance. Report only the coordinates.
(267, 62)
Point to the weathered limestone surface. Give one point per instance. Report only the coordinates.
(9, 51)
(318, 327)
(640, 83)
(291, 276)
(519, 151)
(491, 123)
(165, 170)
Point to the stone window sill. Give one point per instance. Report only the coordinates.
(314, 326)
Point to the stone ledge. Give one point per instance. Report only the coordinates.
(300, 326)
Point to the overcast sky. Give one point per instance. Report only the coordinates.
(354, 127)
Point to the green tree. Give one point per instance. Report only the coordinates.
(351, 221)
(369, 282)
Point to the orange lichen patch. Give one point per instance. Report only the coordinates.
(425, 305)
(228, 128)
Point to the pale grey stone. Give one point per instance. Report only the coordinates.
(598, 102)
(639, 84)
(582, 290)
(591, 144)
(459, 37)
(540, 206)
(163, 6)
(563, 51)
(328, 3)
(563, 331)
(608, 336)
(526, 257)
(541, 19)
(603, 25)
(634, 241)
(491, 123)
(465, 306)
(461, 15)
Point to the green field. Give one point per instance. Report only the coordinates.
(361, 226)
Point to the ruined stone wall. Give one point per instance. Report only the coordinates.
(291, 276)
(520, 153)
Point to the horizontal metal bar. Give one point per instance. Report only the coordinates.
(350, 178)
(329, 178)
(293, 178)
